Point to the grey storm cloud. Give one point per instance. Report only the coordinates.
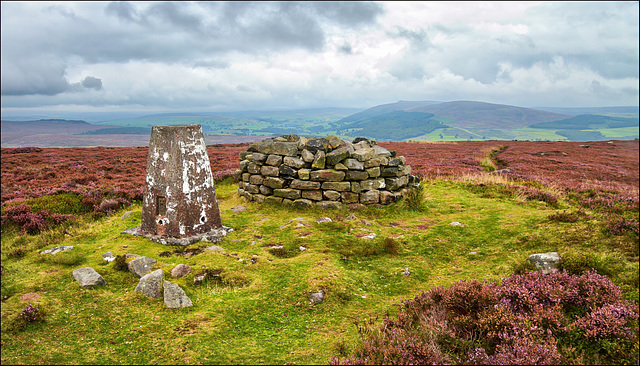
(347, 53)
(245, 26)
(92, 83)
(162, 32)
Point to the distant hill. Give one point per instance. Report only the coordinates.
(622, 110)
(393, 126)
(469, 114)
(120, 131)
(588, 121)
(402, 105)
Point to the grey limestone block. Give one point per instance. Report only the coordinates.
(150, 284)
(273, 199)
(304, 184)
(312, 195)
(356, 175)
(175, 297)
(141, 265)
(294, 162)
(337, 186)
(270, 171)
(331, 195)
(274, 160)
(545, 262)
(287, 193)
(327, 175)
(370, 197)
(88, 277)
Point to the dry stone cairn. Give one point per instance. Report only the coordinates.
(326, 172)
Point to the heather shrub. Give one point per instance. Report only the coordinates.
(620, 225)
(64, 203)
(108, 206)
(533, 194)
(579, 262)
(32, 314)
(120, 263)
(416, 198)
(16, 253)
(391, 246)
(565, 216)
(527, 319)
(30, 222)
(280, 252)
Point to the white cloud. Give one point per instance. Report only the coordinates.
(231, 56)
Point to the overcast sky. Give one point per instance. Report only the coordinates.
(218, 56)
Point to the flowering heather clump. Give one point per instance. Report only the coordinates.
(29, 222)
(528, 319)
(31, 314)
(620, 225)
(223, 174)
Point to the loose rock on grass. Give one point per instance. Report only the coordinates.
(150, 284)
(59, 249)
(88, 277)
(141, 265)
(175, 297)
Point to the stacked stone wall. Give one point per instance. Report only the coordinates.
(327, 172)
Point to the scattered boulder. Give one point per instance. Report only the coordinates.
(456, 223)
(323, 220)
(180, 270)
(126, 215)
(150, 284)
(55, 250)
(108, 256)
(141, 265)
(175, 297)
(316, 297)
(545, 262)
(88, 277)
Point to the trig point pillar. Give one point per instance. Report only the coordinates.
(179, 204)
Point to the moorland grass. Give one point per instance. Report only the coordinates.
(257, 311)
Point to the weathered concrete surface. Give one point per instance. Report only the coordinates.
(179, 203)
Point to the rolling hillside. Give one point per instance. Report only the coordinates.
(470, 114)
(393, 126)
(402, 105)
(399, 121)
(588, 121)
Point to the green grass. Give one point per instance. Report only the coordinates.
(259, 312)
(621, 132)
